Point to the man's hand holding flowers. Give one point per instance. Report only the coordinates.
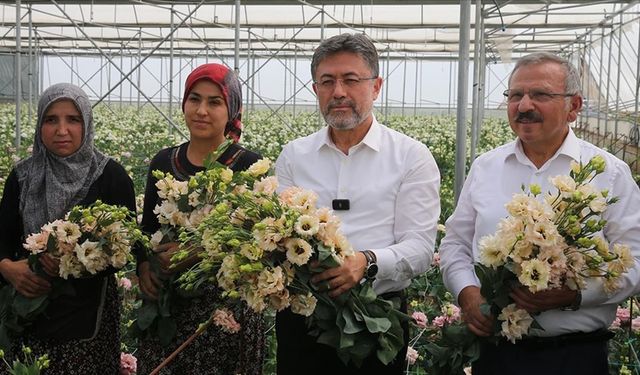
(470, 301)
(341, 279)
(23, 279)
(543, 300)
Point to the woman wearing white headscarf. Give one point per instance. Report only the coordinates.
(79, 332)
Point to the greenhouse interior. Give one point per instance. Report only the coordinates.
(445, 65)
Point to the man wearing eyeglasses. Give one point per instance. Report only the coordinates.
(542, 100)
(382, 184)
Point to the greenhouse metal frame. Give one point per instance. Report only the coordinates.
(133, 42)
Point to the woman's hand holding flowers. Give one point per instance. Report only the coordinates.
(50, 265)
(149, 281)
(23, 279)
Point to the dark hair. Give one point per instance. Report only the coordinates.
(359, 44)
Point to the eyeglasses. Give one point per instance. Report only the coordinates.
(329, 84)
(515, 96)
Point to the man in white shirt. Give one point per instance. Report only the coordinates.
(543, 99)
(382, 184)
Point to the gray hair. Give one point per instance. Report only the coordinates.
(359, 44)
(572, 78)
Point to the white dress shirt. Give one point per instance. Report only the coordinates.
(392, 184)
(494, 177)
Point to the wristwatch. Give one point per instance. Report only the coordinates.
(575, 305)
(372, 267)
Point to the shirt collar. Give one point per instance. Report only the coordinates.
(372, 139)
(570, 147)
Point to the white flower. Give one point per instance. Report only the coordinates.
(260, 167)
(534, 274)
(564, 184)
(266, 185)
(37, 242)
(493, 253)
(307, 225)
(70, 266)
(598, 205)
(542, 233)
(303, 304)
(156, 239)
(516, 322)
(91, 256)
(194, 198)
(298, 250)
(68, 232)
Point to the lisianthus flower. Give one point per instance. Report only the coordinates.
(516, 322)
(534, 275)
(303, 304)
(298, 250)
(420, 318)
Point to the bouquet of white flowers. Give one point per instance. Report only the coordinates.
(550, 241)
(263, 249)
(87, 241)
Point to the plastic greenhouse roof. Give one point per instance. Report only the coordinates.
(420, 29)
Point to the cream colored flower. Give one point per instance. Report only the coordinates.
(260, 167)
(493, 253)
(564, 184)
(270, 280)
(598, 205)
(266, 185)
(37, 242)
(70, 266)
(272, 233)
(226, 175)
(68, 232)
(279, 301)
(542, 233)
(304, 201)
(307, 225)
(303, 304)
(624, 254)
(516, 322)
(194, 198)
(119, 257)
(575, 167)
(298, 251)
(519, 205)
(91, 256)
(254, 301)
(534, 275)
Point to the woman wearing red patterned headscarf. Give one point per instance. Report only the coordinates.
(212, 106)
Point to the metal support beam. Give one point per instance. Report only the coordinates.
(236, 60)
(463, 85)
(171, 67)
(18, 75)
(615, 127)
(476, 97)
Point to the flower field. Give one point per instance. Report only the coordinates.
(132, 137)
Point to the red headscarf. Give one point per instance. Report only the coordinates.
(230, 86)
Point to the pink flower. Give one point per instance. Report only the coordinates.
(439, 321)
(420, 318)
(436, 259)
(623, 314)
(125, 283)
(616, 324)
(128, 364)
(224, 319)
(635, 324)
(412, 355)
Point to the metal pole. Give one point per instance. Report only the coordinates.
(600, 79)
(415, 93)
(18, 75)
(463, 85)
(483, 76)
(615, 126)
(450, 85)
(475, 98)
(121, 74)
(139, 61)
(30, 67)
(404, 83)
(171, 68)
(253, 81)
(284, 85)
(606, 118)
(386, 87)
(586, 90)
(248, 93)
(236, 60)
(295, 81)
(637, 115)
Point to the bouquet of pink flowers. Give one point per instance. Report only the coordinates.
(263, 248)
(550, 241)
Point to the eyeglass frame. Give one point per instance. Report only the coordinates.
(536, 93)
(356, 82)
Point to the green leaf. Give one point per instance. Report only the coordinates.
(366, 293)
(351, 325)
(330, 337)
(346, 340)
(375, 325)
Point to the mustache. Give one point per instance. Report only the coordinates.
(339, 103)
(529, 116)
